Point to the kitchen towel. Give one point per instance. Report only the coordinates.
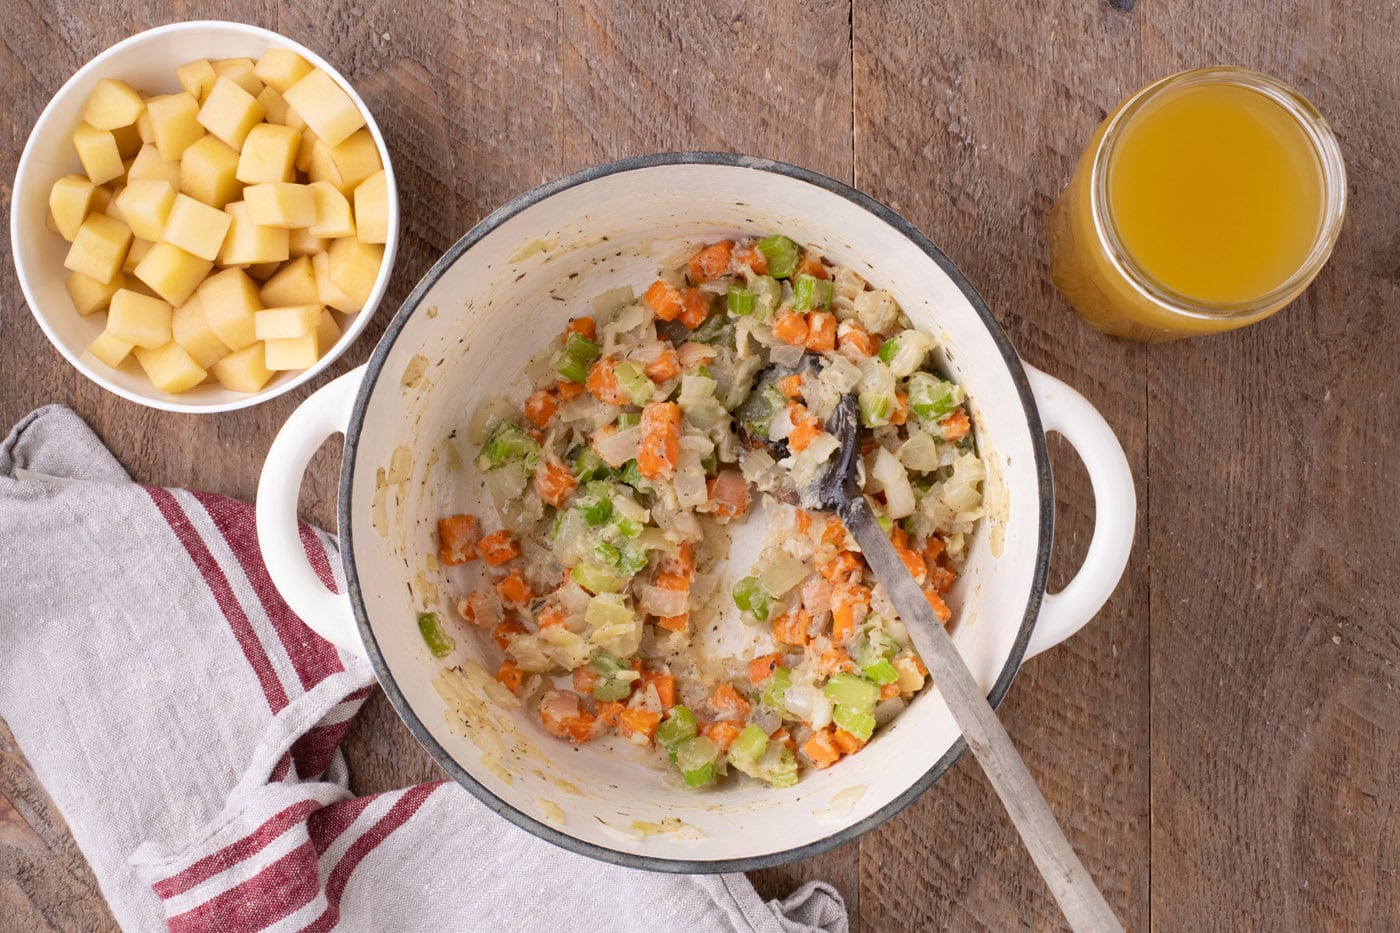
(187, 724)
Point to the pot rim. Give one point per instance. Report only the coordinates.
(345, 523)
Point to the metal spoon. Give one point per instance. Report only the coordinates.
(1082, 903)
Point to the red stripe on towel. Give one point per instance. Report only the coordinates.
(316, 554)
(313, 751)
(327, 823)
(235, 852)
(313, 658)
(286, 885)
(222, 592)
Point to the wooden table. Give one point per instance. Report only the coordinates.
(1222, 744)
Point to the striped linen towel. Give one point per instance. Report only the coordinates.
(187, 725)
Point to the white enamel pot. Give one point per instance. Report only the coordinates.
(462, 337)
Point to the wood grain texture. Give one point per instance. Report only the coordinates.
(1222, 743)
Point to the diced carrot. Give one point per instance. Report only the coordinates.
(722, 734)
(847, 742)
(840, 567)
(804, 521)
(510, 675)
(514, 590)
(760, 669)
(821, 331)
(665, 685)
(933, 549)
(675, 582)
(552, 614)
(585, 679)
(639, 722)
(941, 577)
(728, 494)
(791, 328)
(666, 366)
(563, 718)
(940, 608)
(803, 432)
(727, 702)
(849, 603)
(901, 408)
(498, 547)
(811, 265)
(568, 391)
(889, 691)
(918, 569)
(661, 439)
(554, 482)
(695, 307)
(680, 561)
(711, 262)
(691, 354)
(955, 427)
(822, 749)
(678, 623)
(582, 728)
(610, 713)
(603, 383)
(853, 341)
(541, 407)
(791, 386)
(664, 298)
(457, 537)
(783, 737)
(833, 660)
(481, 609)
(791, 628)
(834, 532)
(754, 259)
(583, 326)
(868, 445)
(898, 536)
(502, 633)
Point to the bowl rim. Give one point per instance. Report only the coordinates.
(27, 166)
(345, 523)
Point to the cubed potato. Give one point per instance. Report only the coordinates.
(243, 370)
(139, 319)
(172, 273)
(305, 148)
(70, 200)
(279, 69)
(149, 164)
(145, 128)
(110, 350)
(355, 159)
(260, 272)
(99, 248)
(275, 107)
(293, 119)
(197, 78)
(280, 204)
(281, 323)
(247, 242)
(174, 123)
(228, 300)
(135, 253)
(102, 198)
(114, 206)
(191, 331)
(196, 228)
(372, 209)
(353, 267)
(209, 172)
(229, 112)
(327, 291)
(170, 368)
(291, 352)
(293, 284)
(240, 72)
(128, 141)
(145, 206)
(333, 217)
(97, 150)
(325, 107)
(327, 331)
(90, 295)
(305, 243)
(112, 104)
(268, 155)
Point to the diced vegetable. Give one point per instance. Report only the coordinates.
(634, 382)
(781, 254)
(597, 579)
(696, 760)
(509, 443)
(750, 597)
(810, 293)
(768, 294)
(439, 643)
(852, 691)
(576, 358)
(679, 727)
(774, 694)
(857, 722)
(741, 301)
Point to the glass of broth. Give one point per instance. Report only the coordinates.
(1208, 200)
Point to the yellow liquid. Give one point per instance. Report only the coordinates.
(1217, 192)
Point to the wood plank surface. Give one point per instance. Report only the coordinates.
(1222, 742)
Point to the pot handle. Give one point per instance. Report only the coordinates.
(1066, 412)
(325, 412)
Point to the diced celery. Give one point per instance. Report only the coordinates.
(858, 723)
(597, 579)
(850, 690)
(695, 753)
(606, 553)
(628, 419)
(768, 294)
(606, 663)
(628, 527)
(678, 727)
(439, 642)
(571, 368)
(930, 397)
(810, 293)
(888, 349)
(508, 441)
(596, 511)
(634, 382)
(779, 769)
(631, 558)
(885, 522)
(749, 596)
(632, 476)
(747, 747)
(781, 254)
(775, 688)
(699, 777)
(881, 672)
(581, 348)
(741, 301)
(606, 609)
(612, 688)
(589, 466)
(874, 409)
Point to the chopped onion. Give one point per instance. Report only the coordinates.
(505, 484)
(691, 354)
(786, 355)
(496, 410)
(890, 474)
(779, 573)
(662, 602)
(920, 453)
(887, 710)
(616, 449)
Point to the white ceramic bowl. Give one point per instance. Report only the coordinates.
(148, 61)
(461, 338)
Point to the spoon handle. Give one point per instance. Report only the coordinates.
(1082, 903)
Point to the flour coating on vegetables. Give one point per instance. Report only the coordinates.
(656, 424)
